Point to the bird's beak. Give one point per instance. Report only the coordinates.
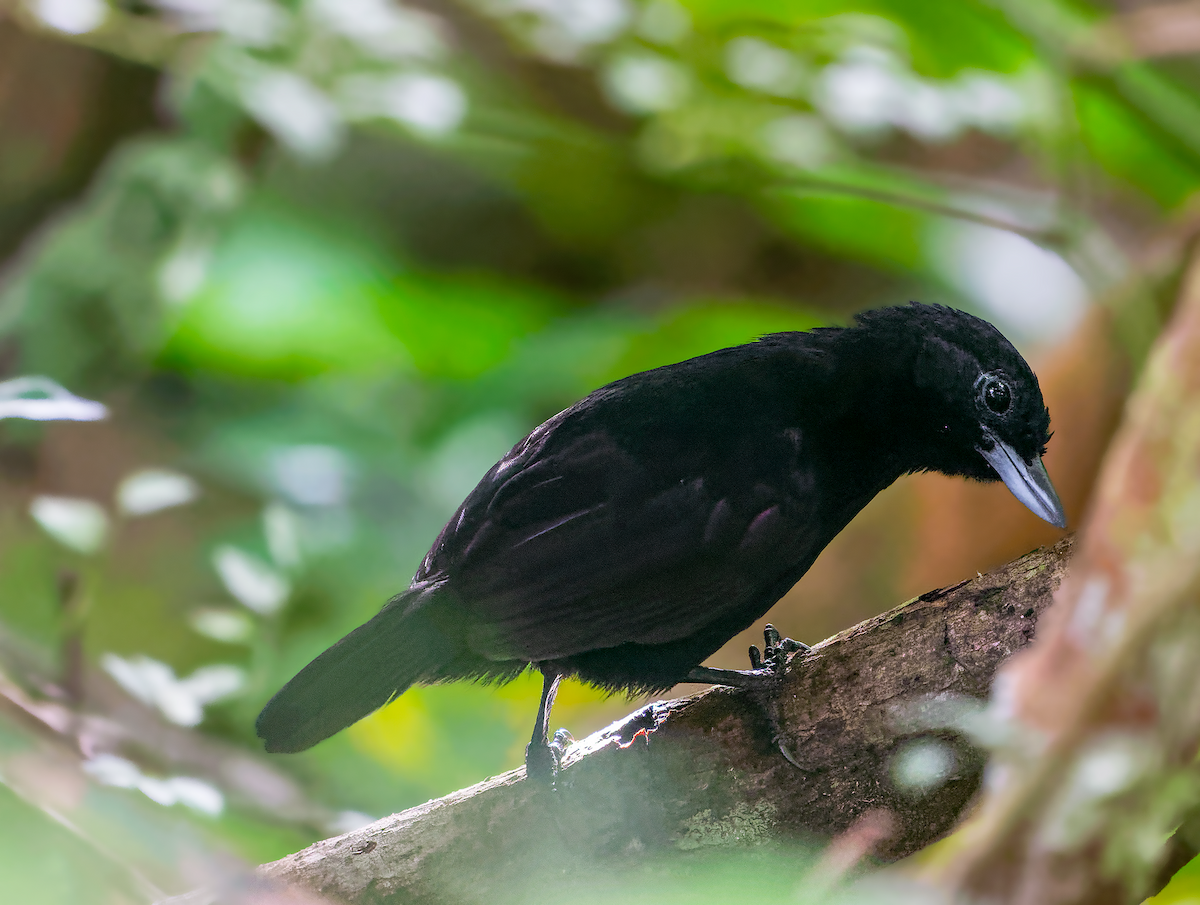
(1028, 481)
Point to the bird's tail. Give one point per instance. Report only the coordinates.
(356, 676)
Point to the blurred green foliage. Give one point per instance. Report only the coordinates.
(370, 246)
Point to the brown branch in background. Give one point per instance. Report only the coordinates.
(846, 852)
(1161, 30)
(702, 774)
(1108, 691)
(73, 613)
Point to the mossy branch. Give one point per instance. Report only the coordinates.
(705, 771)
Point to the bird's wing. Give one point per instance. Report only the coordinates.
(586, 547)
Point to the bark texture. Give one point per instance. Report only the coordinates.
(690, 775)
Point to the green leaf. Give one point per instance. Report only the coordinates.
(1124, 144)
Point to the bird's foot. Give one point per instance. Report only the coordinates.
(542, 762)
(773, 660)
(560, 743)
(775, 652)
(768, 667)
(762, 681)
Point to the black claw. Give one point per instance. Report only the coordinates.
(756, 660)
(560, 743)
(773, 657)
(771, 637)
(543, 762)
(787, 755)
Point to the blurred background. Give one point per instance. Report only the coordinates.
(324, 261)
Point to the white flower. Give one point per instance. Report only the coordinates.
(72, 17)
(311, 474)
(81, 525)
(295, 111)
(646, 83)
(282, 529)
(384, 29)
(154, 489)
(429, 104)
(753, 63)
(228, 626)
(255, 584)
(110, 770)
(41, 399)
(182, 701)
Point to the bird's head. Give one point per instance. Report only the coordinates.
(977, 406)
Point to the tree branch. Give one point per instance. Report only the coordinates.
(703, 771)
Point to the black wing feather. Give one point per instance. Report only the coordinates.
(650, 536)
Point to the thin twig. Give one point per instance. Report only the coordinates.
(1047, 238)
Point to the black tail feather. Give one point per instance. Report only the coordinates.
(353, 678)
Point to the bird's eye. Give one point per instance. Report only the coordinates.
(996, 394)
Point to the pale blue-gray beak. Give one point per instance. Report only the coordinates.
(1028, 481)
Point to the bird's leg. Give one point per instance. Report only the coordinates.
(766, 667)
(767, 670)
(542, 756)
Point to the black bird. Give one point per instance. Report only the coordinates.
(630, 536)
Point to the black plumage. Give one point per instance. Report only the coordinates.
(630, 536)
